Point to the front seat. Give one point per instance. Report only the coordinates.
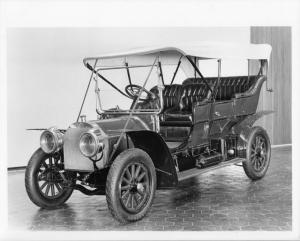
(182, 114)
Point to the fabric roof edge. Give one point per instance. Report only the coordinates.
(205, 50)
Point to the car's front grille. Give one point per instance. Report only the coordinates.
(73, 159)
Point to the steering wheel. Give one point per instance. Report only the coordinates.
(133, 92)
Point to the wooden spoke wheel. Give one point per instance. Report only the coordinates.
(134, 187)
(49, 180)
(258, 154)
(131, 185)
(44, 184)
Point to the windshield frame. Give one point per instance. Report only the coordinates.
(96, 74)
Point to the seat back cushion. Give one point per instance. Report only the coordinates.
(171, 95)
(192, 93)
(229, 86)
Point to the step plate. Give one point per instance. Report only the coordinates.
(196, 171)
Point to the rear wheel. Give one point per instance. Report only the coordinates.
(131, 185)
(258, 154)
(43, 183)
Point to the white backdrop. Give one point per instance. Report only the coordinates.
(46, 79)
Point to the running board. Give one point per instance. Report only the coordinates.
(197, 171)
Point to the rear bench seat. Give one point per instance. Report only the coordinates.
(229, 86)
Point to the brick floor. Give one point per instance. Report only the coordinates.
(224, 199)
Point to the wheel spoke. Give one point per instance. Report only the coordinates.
(252, 160)
(256, 141)
(45, 164)
(125, 180)
(47, 189)
(141, 176)
(52, 189)
(43, 185)
(132, 200)
(137, 171)
(50, 161)
(56, 160)
(128, 200)
(259, 141)
(133, 171)
(138, 195)
(262, 164)
(127, 187)
(259, 162)
(59, 189)
(136, 199)
(128, 174)
(263, 142)
(125, 194)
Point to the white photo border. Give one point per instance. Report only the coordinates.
(142, 13)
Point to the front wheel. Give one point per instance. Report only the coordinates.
(131, 185)
(43, 183)
(258, 154)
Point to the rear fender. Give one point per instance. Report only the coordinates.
(155, 146)
(243, 129)
(249, 121)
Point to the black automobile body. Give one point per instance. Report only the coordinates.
(170, 133)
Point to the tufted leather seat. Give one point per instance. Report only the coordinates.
(171, 95)
(171, 98)
(193, 93)
(181, 114)
(229, 86)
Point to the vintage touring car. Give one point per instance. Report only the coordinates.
(166, 133)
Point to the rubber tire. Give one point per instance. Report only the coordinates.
(32, 188)
(112, 182)
(248, 168)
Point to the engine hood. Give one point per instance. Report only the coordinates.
(114, 126)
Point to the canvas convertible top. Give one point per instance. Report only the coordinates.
(205, 50)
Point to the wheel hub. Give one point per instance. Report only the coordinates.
(259, 152)
(50, 175)
(140, 187)
(136, 187)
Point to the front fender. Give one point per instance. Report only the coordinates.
(155, 146)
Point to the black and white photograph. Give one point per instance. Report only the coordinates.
(150, 131)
